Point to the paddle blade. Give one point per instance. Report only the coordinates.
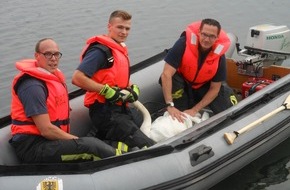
(287, 102)
(230, 137)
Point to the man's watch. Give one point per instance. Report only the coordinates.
(171, 104)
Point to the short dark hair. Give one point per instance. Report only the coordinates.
(210, 21)
(120, 13)
(39, 42)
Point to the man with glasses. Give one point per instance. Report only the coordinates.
(40, 113)
(195, 70)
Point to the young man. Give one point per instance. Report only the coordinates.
(104, 79)
(195, 69)
(40, 113)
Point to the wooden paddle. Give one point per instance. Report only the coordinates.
(230, 137)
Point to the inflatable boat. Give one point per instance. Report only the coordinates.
(196, 158)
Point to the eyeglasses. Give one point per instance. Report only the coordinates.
(211, 37)
(48, 55)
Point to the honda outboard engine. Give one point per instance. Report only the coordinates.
(266, 45)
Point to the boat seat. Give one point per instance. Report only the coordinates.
(7, 156)
(80, 122)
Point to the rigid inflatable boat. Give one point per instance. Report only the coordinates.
(198, 157)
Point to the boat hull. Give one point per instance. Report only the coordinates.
(197, 158)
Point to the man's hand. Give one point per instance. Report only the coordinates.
(176, 114)
(112, 94)
(134, 93)
(192, 112)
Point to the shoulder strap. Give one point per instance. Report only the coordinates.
(107, 51)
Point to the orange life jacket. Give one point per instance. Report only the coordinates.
(189, 64)
(116, 75)
(57, 101)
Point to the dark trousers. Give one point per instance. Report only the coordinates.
(36, 149)
(114, 123)
(185, 97)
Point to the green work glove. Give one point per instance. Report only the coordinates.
(112, 94)
(134, 93)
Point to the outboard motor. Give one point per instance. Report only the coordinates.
(266, 45)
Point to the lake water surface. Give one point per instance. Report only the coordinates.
(155, 26)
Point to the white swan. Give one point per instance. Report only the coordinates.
(164, 126)
(147, 121)
(146, 125)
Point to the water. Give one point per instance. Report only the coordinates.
(155, 27)
(269, 172)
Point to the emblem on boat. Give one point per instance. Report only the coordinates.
(50, 183)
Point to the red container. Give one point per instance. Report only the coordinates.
(253, 85)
